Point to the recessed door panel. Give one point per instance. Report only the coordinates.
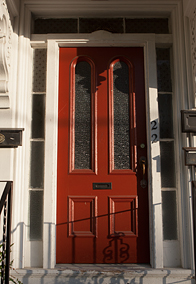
(102, 209)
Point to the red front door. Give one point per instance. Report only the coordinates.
(102, 196)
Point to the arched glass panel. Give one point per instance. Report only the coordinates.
(121, 115)
(82, 115)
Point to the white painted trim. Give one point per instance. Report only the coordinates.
(21, 173)
(189, 7)
(50, 182)
(100, 38)
(85, 8)
(22, 119)
(6, 32)
(13, 6)
(180, 101)
(189, 140)
(41, 39)
(154, 167)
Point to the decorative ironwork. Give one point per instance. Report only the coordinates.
(6, 207)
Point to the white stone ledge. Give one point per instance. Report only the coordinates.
(104, 274)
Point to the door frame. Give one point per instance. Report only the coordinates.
(23, 44)
(102, 38)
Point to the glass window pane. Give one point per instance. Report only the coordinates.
(163, 70)
(39, 70)
(51, 26)
(37, 164)
(166, 115)
(36, 215)
(83, 115)
(153, 25)
(38, 116)
(168, 177)
(169, 215)
(89, 25)
(121, 116)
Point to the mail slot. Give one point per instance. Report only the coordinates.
(10, 137)
(190, 156)
(188, 120)
(102, 185)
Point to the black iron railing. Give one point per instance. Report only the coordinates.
(5, 209)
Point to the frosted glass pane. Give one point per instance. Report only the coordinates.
(163, 70)
(83, 115)
(38, 116)
(121, 116)
(166, 116)
(39, 70)
(37, 164)
(169, 215)
(168, 177)
(36, 215)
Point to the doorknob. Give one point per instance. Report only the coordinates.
(143, 163)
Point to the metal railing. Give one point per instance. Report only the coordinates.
(5, 209)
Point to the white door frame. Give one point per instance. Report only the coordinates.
(52, 43)
(101, 38)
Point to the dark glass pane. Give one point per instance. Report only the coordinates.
(153, 25)
(169, 215)
(36, 215)
(168, 177)
(83, 115)
(90, 25)
(38, 116)
(51, 26)
(163, 70)
(39, 70)
(166, 115)
(121, 116)
(37, 164)
(113, 25)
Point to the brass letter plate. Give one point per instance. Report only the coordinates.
(102, 185)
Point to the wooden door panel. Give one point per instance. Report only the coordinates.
(102, 211)
(123, 208)
(82, 216)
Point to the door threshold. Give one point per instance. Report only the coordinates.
(103, 267)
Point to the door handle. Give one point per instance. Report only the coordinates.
(143, 163)
(143, 167)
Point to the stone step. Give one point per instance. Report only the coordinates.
(104, 274)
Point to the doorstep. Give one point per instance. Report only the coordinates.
(104, 274)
